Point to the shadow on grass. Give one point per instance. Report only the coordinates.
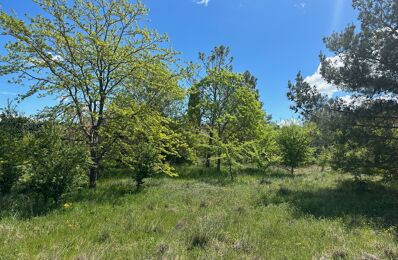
(270, 173)
(213, 177)
(354, 202)
(24, 206)
(205, 175)
(108, 191)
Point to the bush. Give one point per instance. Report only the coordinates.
(54, 167)
(294, 144)
(8, 177)
(144, 164)
(13, 127)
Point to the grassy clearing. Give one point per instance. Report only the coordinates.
(204, 215)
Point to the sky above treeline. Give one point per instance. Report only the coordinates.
(273, 39)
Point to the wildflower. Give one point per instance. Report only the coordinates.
(67, 205)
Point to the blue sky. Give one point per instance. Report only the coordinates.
(274, 39)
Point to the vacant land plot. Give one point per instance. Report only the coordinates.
(202, 214)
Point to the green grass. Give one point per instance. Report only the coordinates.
(204, 215)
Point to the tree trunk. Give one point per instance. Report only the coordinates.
(218, 165)
(230, 171)
(93, 175)
(93, 172)
(292, 170)
(207, 160)
(208, 152)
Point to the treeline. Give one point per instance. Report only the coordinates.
(127, 102)
(217, 122)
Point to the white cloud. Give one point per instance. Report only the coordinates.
(288, 122)
(352, 101)
(356, 101)
(202, 2)
(320, 83)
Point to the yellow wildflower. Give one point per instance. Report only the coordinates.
(67, 205)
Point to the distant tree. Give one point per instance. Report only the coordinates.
(294, 144)
(85, 53)
(194, 112)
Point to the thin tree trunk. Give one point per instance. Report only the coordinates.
(207, 160)
(93, 175)
(218, 165)
(292, 170)
(230, 171)
(208, 152)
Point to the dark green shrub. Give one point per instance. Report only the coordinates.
(55, 166)
(145, 163)
(13, 127)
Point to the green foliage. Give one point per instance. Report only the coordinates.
(15, 130)
(13, 127)
(194, 109)
(366, 129)
(294, 144)
(264, 149)
(362, 150)
(362, 132)
(85, 53)
(52, 166)
(324, 157)
(142, 139)
(36, 158)
(224, 108)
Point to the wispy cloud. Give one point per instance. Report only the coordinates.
(6, 93)
(338, 10)
(301, 5)
(202, 2)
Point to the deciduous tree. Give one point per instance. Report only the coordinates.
(84, 53)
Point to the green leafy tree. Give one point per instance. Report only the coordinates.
(217, 61)
(294, 144)
(225, 106)
(263, 149)
(85, 53)
(144, 139)
(229, 109)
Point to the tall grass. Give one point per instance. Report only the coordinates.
(202, 214)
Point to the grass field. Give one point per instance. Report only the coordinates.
(203, 215)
